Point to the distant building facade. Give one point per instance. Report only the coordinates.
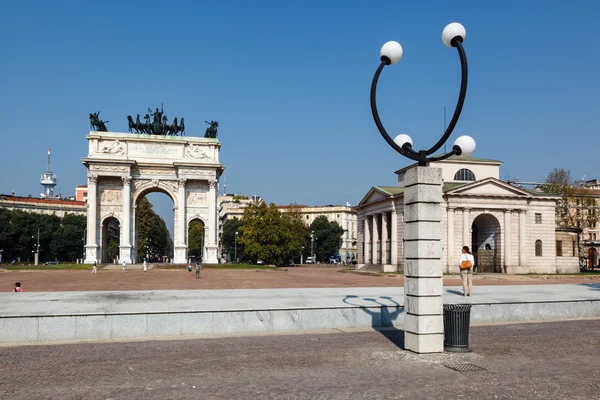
(508, 229)
(49, 206)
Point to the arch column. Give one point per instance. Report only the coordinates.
(466, 228)
(180, 256)
(125, 246)
(367, 241)
(91, 247)
(394, 237)
(211, 246)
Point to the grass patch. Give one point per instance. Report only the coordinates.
(48, 267)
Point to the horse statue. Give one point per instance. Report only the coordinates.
(148, 124)
(131, 124)
(172, 129)
(96, 124)
(139, 127)
(211, 131)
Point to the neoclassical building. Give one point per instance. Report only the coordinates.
(509, 229)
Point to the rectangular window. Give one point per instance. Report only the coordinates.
(338, 215)
(593, 236)
(538, 218)
(574, 254)
(559, 248)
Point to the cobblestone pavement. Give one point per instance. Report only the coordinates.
(526, 361)
(58, 281)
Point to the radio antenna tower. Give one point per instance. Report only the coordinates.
(48, 181)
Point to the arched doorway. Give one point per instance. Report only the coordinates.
(153, 216)
(485, 244)
(592, 255)
(196, 235)
(111, 239)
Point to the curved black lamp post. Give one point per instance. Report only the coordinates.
(391, 52)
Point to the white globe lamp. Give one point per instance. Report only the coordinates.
(392, 51)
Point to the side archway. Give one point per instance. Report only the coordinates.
(485, 243)
(110, 239)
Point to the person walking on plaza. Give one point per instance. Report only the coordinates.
(94, 270)
(197, 269)
(145, 265)
(124, 264)
(466, 263)
(17, 287)
(190, 269)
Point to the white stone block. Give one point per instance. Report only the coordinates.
(228, 322)
(390, 268)
(423, 286)
(18, 329)
(291, 320)
(259, 321)
(124, 326)
(423, 324)
(416, 249)
(56, 328)
(196, 323)
(423, 230)
(422, 344)
(424, 305)
(163, 325)
(423, 194)
(414, 211)
(313, 319)
(342, 317)
(423, 175)
(93, 326)
(423, 268)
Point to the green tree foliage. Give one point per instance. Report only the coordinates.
(269, 235)
(59, 239)
(195, 239)
(152, 233)
(230, 227)
(328, 235)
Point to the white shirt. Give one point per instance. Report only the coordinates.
(465, 257)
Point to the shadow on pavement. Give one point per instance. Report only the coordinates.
(383, 316)
(591, 286)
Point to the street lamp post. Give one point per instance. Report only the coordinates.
(83, 240)
(36, 256)
(235, 248)
(422, 209)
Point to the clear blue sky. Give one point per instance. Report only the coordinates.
(289, 82)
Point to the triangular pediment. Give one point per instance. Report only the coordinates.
(489, 187)
(378, 193)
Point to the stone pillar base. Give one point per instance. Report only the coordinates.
(210, 255)
(180, 256)
(433, 343)
(91, 254)
(125, 254)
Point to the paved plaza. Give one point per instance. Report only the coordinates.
(293, 277)
(520, 361)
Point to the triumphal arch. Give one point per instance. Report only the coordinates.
(123, 167)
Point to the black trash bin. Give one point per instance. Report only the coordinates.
(457, 318)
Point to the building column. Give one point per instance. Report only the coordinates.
(388, 265)
(376, 239)
(367, 240)
(180, 256)
(423, 285)
(522, 238)
(91, 247)
(450, 240)
(211, 245)
(394, 237)
(466, 228)
(125, 247)
(507, 235)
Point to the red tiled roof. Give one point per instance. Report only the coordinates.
(10, 198)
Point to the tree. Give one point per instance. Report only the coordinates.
(152, 233)
(577, 207)
(195, 239)
(328, 235)
(269, 235)
(230, 227)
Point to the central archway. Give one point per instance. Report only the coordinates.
(485, 244)
(152, 239)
